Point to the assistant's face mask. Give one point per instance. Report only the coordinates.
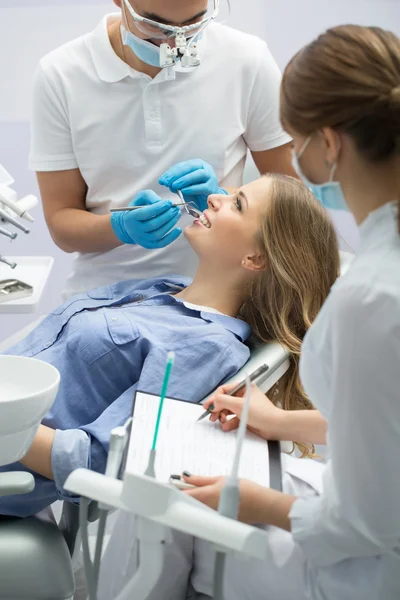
(330, 194)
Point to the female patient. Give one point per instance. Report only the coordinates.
(267, 253)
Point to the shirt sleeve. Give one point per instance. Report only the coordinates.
(198, 369)
(358, 513)
(264, 130)
(51, 140)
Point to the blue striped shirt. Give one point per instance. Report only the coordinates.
(107, 343)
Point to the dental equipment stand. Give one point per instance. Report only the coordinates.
(160, 507)
(21, 293)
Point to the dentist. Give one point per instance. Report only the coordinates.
(340, 101)
(110, 117)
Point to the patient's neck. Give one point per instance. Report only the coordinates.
(221, 292)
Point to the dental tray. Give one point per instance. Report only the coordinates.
(14, 289)
(32, 272)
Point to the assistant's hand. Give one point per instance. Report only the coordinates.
(149, 227)
(257, 503)
(196, 180)
(208, 492)
(264, 418)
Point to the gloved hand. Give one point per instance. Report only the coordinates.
(195, 178)
(149, 226)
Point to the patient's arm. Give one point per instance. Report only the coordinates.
(38, 457)
(266, 419)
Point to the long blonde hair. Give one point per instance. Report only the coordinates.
(302, 258)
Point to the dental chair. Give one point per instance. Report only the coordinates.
(36, 555)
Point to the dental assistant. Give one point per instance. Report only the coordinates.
(109, 122)
(340, 101)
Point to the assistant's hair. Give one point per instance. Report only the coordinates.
(348, 79)
(302, 263)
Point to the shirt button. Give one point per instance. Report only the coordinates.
(47, 345)
(115, 319)
(153, 115)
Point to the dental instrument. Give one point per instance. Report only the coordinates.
(193, 212)
(150, 472)
(10, 234)
(118, 439)
(260, 371)
(4, 260)
(8, 197)
(4, 216)
(229, 501)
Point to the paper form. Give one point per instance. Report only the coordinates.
(183, 444)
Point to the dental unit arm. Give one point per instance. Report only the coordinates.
(160, 507)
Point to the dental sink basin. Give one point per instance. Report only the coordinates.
(28, 388)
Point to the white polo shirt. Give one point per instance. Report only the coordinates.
(123, 129)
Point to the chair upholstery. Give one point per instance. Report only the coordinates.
(35, 562)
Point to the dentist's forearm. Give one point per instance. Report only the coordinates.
(38, 457)
(76, 230)
(304, 426)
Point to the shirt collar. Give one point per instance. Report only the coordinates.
(109, 67)
(238, 327)
(379, 227)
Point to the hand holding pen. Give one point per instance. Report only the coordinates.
(264, 418)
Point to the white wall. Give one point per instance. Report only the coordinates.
(30, 28)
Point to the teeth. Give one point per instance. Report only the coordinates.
(203, 219)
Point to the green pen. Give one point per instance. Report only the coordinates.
(150, 472)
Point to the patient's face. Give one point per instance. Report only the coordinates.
(231, 233)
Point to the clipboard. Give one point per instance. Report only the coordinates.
(274, 452)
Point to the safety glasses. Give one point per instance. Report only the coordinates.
(156, 30)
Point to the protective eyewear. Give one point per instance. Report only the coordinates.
(157, 30)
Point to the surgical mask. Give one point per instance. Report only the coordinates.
(329, 194)
(144, 50)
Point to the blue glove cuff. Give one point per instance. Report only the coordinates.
(117, 223)
(222, 191)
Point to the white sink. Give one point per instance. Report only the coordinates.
(28, 388)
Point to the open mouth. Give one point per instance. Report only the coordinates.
(204, 221)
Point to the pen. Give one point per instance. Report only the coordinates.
(255, 375)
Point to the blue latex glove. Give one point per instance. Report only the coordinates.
(149, 226)
(195, 178)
